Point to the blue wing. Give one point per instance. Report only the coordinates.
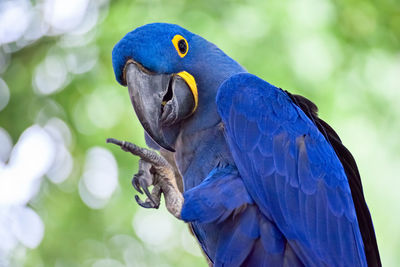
(230, 227)
(291, 172)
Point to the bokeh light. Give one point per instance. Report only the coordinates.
(6, 146)
(100, 175)
(63, 161)
(4, 94)
(155, 229)
(51, 75)
(31, 157)
(15, 19)
(64, 16)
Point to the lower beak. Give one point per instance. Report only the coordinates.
(159, 100)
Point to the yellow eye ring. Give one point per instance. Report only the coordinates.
(181, 45)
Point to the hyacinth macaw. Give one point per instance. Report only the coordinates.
(265, 181)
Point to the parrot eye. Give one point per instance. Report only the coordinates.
(181, 45)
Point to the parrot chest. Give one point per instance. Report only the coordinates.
(198, 154)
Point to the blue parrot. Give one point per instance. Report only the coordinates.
(265, 181)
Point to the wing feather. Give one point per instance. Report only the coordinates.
(291, 171)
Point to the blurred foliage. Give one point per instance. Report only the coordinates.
(344, 55)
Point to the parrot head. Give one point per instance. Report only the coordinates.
(172, 76)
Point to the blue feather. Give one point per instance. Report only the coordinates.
(216, 197)
(307, 205)
(263, 187)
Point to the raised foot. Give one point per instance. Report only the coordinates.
(153, 170)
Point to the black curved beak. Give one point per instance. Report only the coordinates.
(159, 100)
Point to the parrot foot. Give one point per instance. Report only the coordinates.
(141, 181)
(156, 171)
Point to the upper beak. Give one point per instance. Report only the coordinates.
(159, 100)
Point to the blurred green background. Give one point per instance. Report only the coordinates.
(66, 197)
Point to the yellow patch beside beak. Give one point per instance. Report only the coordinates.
(189, 79)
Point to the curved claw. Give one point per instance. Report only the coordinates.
(151, 164)
(146, 204)
(145, 188)
(135, 182)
